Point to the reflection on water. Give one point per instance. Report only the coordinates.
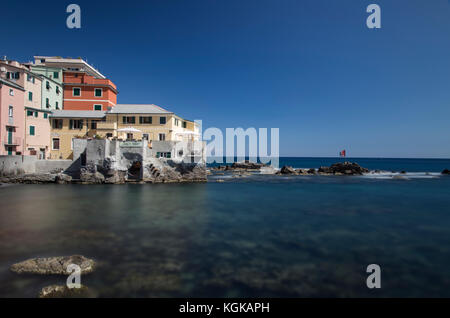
(256, 236)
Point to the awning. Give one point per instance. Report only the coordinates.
(129, 130)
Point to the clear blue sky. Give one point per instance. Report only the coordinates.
(311, 68)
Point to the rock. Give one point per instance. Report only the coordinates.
(324, 170)
(446, 171)
(61, 291)
(312, 171)
(89, 177)
(403, 172)
(247, 165)
(63, 178)
(347, 168)
(287, 170)
(53, 265)
(115, 176)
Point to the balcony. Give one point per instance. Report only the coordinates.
(11, 141)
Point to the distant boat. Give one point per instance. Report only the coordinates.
(342, 154)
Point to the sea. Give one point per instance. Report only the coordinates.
(256, 235)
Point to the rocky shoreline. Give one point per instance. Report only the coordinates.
(336, 169)
(184, 173)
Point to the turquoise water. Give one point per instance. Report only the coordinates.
(257, 236)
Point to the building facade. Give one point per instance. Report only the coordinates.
(12, 124)
(123, 122)
(37, 133)
(52, 86)
(67, 125)
(85, 92)
(21, 75)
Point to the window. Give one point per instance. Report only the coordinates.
(55, 144)
(128, 120)
(28, 77)
(145, 120)
(10, 111)
(45, 115)
(36, 114)
(55, 74)
(162, 137)
(30, 113)
(47, 85)
(56, 104)
(184, 124)
(93, 124)
(98, 92)
(109, 135)
(176, 122)
(11, 92)
(47, 103)
(76, 91)
(162, 120)
(57, 90)
(57, 123)
(76, 124)
(30, 96)
(145, 136)
(163, 155)
(32, 130)
(97, 107)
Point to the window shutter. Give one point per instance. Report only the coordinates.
(71, 124)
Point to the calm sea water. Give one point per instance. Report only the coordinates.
(254, 236)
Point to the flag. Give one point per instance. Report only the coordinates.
(342, 153)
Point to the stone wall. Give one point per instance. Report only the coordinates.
(19, 165)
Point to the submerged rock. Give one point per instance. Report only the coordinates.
(53, 265)
(61, 291)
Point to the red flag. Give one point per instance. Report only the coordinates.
(342, 153)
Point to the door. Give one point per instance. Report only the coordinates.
(10, 151)
(10, 135)
(42, 154)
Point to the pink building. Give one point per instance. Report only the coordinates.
(37, 133)
(12, 119)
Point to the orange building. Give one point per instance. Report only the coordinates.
(86, 92)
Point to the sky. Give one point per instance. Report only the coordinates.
(311, 68)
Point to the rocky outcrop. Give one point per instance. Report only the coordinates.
(63, 178)
(115, 177)
(62, 291)
(446, 171)
(180, 172)
(89, 175)
(287, 170)
(343, 168)
(244, 165)
(346, 168)
(53, 265)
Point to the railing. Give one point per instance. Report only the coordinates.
(11, 141)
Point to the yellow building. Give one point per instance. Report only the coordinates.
(124, 122)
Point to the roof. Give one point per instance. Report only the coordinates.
(57, 61)
(12, 84)
(77, 114)
(38, 109)
(138, 109)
